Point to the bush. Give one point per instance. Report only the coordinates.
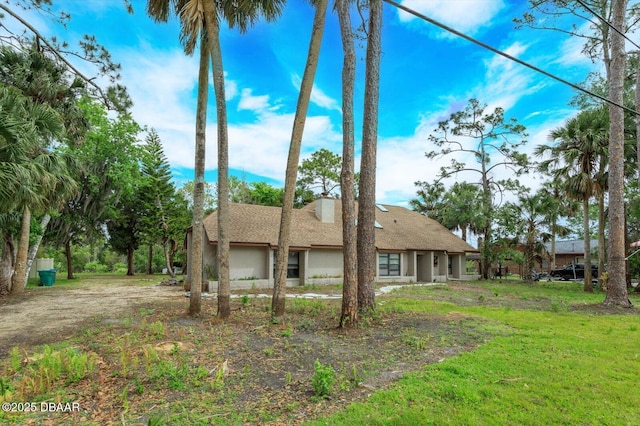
(120, 268)
(323, 379)
(95, 267)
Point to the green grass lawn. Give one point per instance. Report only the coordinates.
(550, 367)
(552, 355)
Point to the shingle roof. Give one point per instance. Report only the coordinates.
(402, 229)
(571, 246)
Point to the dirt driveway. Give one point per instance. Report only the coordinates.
(48, 314)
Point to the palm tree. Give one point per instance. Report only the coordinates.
(32, 176)
(558, 206)
(349, 313)
(367, 185)
(200, 21)
(575, 160)
(532, 209)
(278, 300)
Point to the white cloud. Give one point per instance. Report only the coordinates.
(318, 97)
(462, 15)
(253, 103)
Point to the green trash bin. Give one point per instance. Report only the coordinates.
(47, 277)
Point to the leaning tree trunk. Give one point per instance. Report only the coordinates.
(224, 286)
(19, 278)
(279, 287)
(367, 196)
(616, 287)
(33, 250)
(588, 282)
(167, 258)
(197, 236)
(349, 314)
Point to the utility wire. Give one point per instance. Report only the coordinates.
(506, 55)
(607, 23)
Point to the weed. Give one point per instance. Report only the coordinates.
(245, 299)
(157, 329)
(323, 379)
(15, 360)
(287, 332)
(269, 352)
(145, 312)
(415, 341)
(287, 378)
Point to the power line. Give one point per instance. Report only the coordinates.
(607, 23)
(506, 55)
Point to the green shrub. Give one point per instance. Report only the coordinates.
(323, 379)
(95, 267)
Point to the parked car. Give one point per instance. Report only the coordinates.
(573, 271)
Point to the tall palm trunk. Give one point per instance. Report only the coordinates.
(617, 288)
(224, 286)
(588, 282)
(278, 301)
(367, 187)
(197, 237)
(349, 314)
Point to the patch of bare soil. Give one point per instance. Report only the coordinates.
(153, 361)
(52, 314)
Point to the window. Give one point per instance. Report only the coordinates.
(293, 264)
(389, 264)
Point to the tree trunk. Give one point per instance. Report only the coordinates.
(33, 250)
(197, 237)
(224, 286)
(552, 263)
(616, 286)
(6, 265)
(150, 260)
(167, 258)
(279, 287)
(638, 109)
(602, 252)
(67, 252)
(130, 268)
(588, 282)
(367, 187)
(349, 313)
(19, 278)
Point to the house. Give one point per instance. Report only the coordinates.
(410, 247)
(570, 251)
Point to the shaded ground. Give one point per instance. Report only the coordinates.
(155, 363)
(50, 314)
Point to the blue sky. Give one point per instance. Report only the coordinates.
(426, 74)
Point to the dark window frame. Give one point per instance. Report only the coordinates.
(387, 265)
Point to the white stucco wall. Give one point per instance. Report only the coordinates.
(247, 262)
(325, 263)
